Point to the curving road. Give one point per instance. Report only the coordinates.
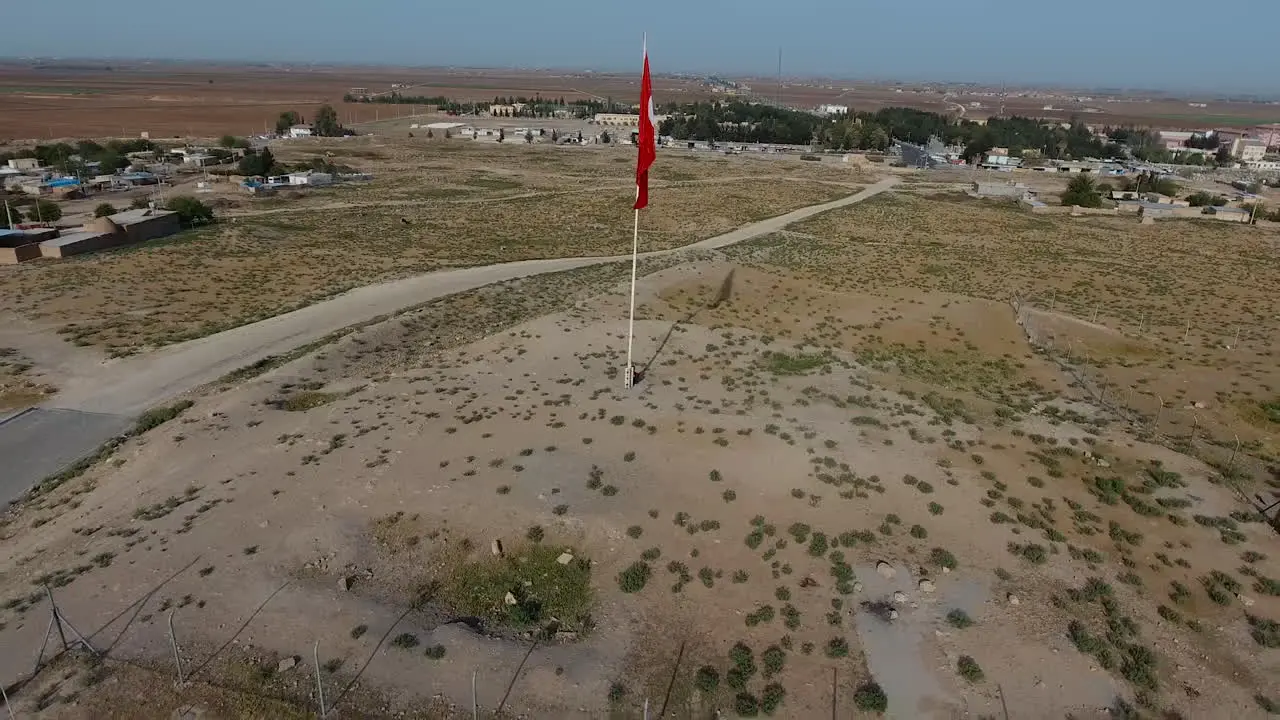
(97, 405)
(131, 385)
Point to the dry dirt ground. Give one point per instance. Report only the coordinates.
(847, 464)
(432, 205)
(196, 100)
(123, 99)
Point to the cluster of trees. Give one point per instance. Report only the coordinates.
(1044, 139)
(1204, 199)
(191, 212)
(71, 159)
(744, 122)
(1146, 145)
(535, 107)
(325, 123)
(264, 163)
(1082, 192)
(739, 122)
(259, 163)
(25, 210)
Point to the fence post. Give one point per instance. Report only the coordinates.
(834, 692)
(7, 705)
(315, 656)
(173, 641)
(475, 707)
(1231, 463)
(1156, 427)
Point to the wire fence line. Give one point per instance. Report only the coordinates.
(1185, 426)
(63, 640)
(327, 697)
(168, 654)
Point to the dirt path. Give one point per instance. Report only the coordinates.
(131, 385)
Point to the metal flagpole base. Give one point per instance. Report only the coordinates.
(629, 377)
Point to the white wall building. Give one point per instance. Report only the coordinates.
(833, 109)
(298, 131)
(1248, 149)
(310, 177)
(1262, 164)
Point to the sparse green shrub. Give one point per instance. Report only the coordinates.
(969, 669)
(405, 641)
(771, 698)
(837, 647)
(871, 698)
(943, 558)
(707, 679)
(773, 658)
(435, 652)
(1263, 631)
(959, 619)
(634, 577)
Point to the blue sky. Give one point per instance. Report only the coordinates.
(1172, 44)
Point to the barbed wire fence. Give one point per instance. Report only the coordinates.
(179, 664)
(184, 670)
(1185, 426)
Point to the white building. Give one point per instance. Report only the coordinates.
(197, 156)
(1262, 164)
(310, 177)
(622, 120)
(1248, 149)
(24, 164)
(833, 109)
(1175, 139)
(298, 131)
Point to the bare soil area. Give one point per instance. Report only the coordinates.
(432, 206)
(848, 477)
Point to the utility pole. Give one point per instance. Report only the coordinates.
(778, 99)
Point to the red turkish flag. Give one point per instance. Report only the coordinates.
(647, 139)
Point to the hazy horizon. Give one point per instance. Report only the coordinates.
(987, 42)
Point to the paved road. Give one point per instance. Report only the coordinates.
(39, 442)
(132, 385)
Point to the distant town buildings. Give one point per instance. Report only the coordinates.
(622, 120)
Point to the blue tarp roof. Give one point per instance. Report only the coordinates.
(63, 182)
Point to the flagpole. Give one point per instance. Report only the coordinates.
(629, 376)
(631, 323)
